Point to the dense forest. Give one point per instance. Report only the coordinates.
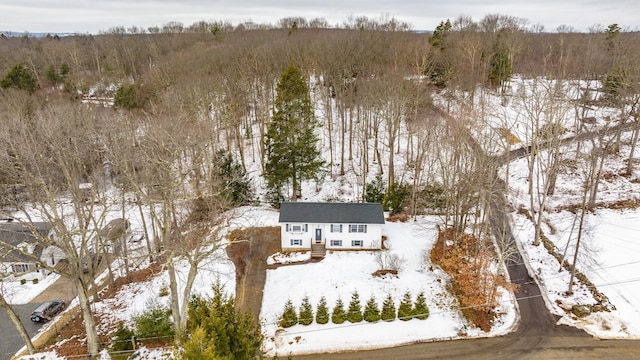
(189, 117)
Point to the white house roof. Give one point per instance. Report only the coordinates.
(358, 213)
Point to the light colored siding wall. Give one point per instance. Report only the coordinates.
(287, 236)
(372, 239)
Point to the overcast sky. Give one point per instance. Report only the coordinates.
(85, 16)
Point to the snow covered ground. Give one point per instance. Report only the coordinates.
(609, 249)
(610, 262)
(612, 266)
(340, 274)
(17, 293)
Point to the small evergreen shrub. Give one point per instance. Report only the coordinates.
(388, 312)
(322, 311)
(338, 316)
(122, 340)
(354, 314)
(154, 322)
(405, 310)
(306, 312)
(34, 281)
(289, 316)
(23, 281)
(371, 310)
(420, 308)
(126, 97)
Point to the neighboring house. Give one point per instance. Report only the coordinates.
(333, 226)
(19, 247)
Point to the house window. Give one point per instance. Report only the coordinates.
(20, 268)
(357, 228)
(336, 242)
(297, 228)
(357, 243)
(296, 242)
(336, 228)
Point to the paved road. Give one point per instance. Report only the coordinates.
(10, 340)
(507, 348)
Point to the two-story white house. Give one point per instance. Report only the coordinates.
(331, 226)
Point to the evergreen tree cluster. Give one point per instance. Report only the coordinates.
(57, 76)
(394, 199)
(219, 331)
(354, 313)
(20, 77)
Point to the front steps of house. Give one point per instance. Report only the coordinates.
(318, 251)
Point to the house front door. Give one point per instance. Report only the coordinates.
(318, 236)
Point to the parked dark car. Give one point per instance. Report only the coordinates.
(47, 311)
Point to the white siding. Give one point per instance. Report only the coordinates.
(287, 236)
(372, 239)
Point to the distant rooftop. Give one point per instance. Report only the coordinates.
(12, 234)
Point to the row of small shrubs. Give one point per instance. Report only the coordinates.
(407, 310)
(24, 281)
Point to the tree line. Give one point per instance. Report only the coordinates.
(195, 109)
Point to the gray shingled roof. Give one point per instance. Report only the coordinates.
(358, 213)
(14, 234)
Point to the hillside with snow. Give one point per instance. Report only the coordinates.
(606, 256)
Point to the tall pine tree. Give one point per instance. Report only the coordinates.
(292, 154)
(20, 77)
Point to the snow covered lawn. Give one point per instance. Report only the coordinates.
(610, 260)
(340, 274)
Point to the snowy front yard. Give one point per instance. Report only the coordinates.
(341, 274)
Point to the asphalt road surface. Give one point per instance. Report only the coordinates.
(10, 340)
